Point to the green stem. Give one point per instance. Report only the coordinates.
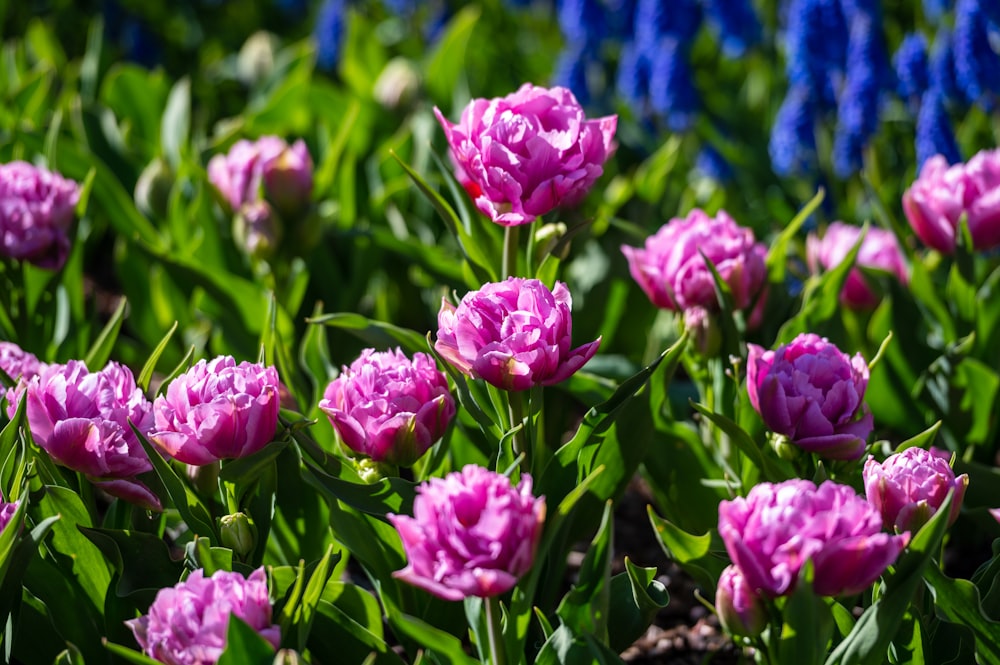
(495, 631)
(529, 254)
(511, 237)
(515, 406)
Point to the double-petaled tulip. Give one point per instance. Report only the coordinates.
(878, 250)
(672, 269)
(524, 154)
(267, 168)
(513, 334)
(36, 211)
(187, 624)
(388, 407)
(81, 419)
(772, 532)
(21, 366)
(813, 393)
(217, 410)
(472, 534)
(909, 487)
(939, 197)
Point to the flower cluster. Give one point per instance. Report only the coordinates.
(527, 153)
(513, 334)
(813, 393)
(388, 407)
(187, 623)
(772, 532)
(36, 211)
(471, 534)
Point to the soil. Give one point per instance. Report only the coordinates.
(684, 632)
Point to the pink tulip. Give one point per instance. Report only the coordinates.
(266, 168)
(187, 624)
(217, 410)
(776, 528)
(513, 334)
(36, 210)
(741, 611)
(524, 154)
(909, 487)
(936, 201)
(389, 408)
(471, 534)
(672, 270)
(813, 393)
(878, 250)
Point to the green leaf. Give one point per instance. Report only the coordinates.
(565, 648)
(771, 468)
(305, 611)
(245, 646)
(447, 60)
(192, 510)
(446, 647)
(636, 598)
(777, 254)
(146, 375)
(99, 353)
(142, 560)
(923, 440)
(806, 624)
(584, 609)
(176, 123)
(693, 553)
(377, 333)
(958, 601)
(130, 655)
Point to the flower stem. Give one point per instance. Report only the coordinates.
(511, 238)
(495, 631)
(515, 406)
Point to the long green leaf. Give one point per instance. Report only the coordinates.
(99, 353)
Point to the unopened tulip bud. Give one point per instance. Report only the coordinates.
(704, 331)
(286, 657)
(152, 189)
(741, 611)
(238, 534)
(257, 230)
(255, 61)
(397, 85)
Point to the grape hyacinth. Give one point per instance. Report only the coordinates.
(792, 146)
(935, 134)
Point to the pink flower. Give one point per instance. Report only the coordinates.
(21, 366)
(389, 408)
(813, 393)
(671, 268)
(36, 211)
(879, 250)
(512, 334)
(187, 623)
(267, 168)
(217, 410)
(741, 611)
(81, 419)
(529, 152)
(909, 487)
(935, 202)
(776, 528)
(7, 510)
(471, 534)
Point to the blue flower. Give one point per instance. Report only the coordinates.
(941, 66)
(672, 95)
(656, 19)
(935, 9)
(792, 146)
(935, 135)
(712, 164)
(632, 79)
(977, 66)
(329, 33)
(816, 48)
(582, 21)
(734, 23)
(571, 72)
(910, 64)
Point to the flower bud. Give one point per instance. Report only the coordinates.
(703, 330)
(238, 534)
(286, 657)
(398, 84)
(255, 61)
(152, 189)
(257, 230)
(741, 611)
